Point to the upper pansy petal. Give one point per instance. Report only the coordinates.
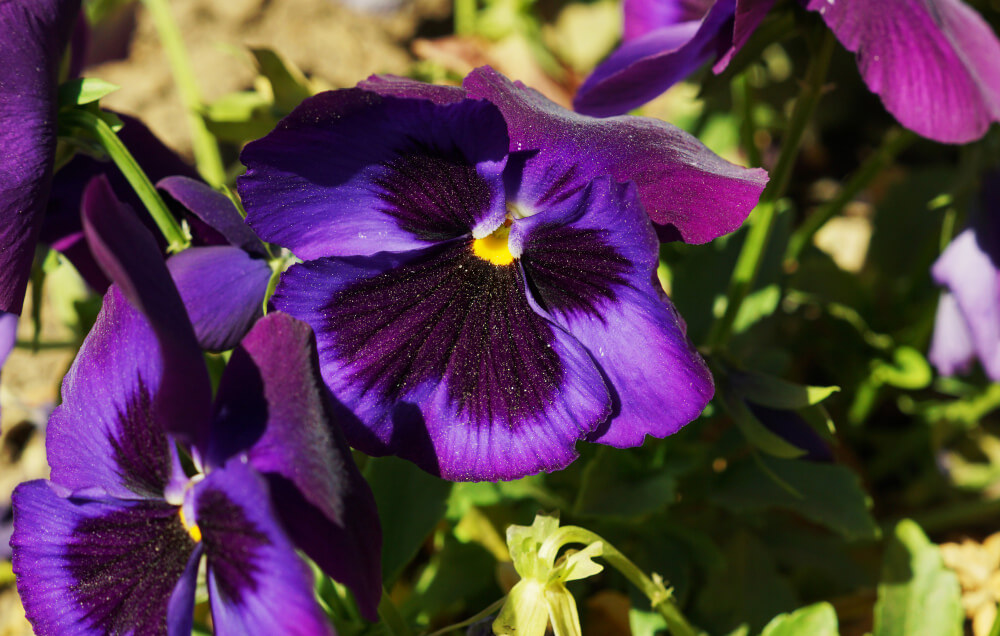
(971, 275)
(682, 184)
(33, 36)
(442, 359)
(95, 565)
(749, 15)
(223, 291)
(130, 258)
(215, 209)
(934, 63)
(350, 172)
(648, 65)
(591, 264)
(105, 432)
(643, 16)
(272, 406)
(257, 583)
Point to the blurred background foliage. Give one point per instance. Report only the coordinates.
(835, 530)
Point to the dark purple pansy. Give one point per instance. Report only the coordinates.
(113, 543)
(33, 36)
(477, 272)
(934, 63)
(968, 316)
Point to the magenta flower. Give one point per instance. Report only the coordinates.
(934, 63)
(480, 266)
(113, 543)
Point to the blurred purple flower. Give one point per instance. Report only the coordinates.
(934, 63)
(113, 542)
(479, 267)
(967, 325)
(33, 36)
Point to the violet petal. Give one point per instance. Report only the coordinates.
(644, 16)
(215, 209)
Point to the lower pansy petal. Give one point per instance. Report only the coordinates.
(591, 265)
(257, 583)
(351, 172)
(272, 408)
(223, 291)
(934, 63)
(96, 565)
(443, 361)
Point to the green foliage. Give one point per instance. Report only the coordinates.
(814, 620)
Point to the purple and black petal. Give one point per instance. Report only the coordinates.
(691, 192)
(442, 359)
(272, 408)
(934, 63)
(590, 263)
(351, 172)
(257, 584)
(96, 565)
(33, 36)
(177, 378)
(223, 290)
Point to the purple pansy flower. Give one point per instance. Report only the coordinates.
(967, 325)
(480, 267)
(934, 63)
(33, 36)
(113, 543)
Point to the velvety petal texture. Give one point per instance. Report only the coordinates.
(688, 191)
(33, 36)
(215, 209)
(934, 63)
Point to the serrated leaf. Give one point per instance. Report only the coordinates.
(830, 494)
(814, 620)
(83, 90)
(918, 595)
(410, 503)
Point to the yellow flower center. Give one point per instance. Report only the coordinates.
(192, 529)
(494, 248)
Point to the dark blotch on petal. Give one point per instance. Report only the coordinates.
(230, 541)
(142, 454)
(126, 564)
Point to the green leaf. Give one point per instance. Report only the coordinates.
(918, 595)
(815, 620)
(755, 431)
(288, 83)
(829, 494)
(777, 393)
(644, 623)
(84, 90)
(616, 483)
(410, 503)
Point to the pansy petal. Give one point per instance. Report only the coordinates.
(682, 184)
(223, 291)
(749, 15)
(352, 173)
(215, 209)
(644, 16)
(257, 584)
(33, 36)
(591, 264)
(973, 279)
(180, 607)
(644, 67)
(272, 406)
(934, 63)
(444, 362)
(95, 565)
(952, 350)
(105, 433)
(8, 335)
(129, 256)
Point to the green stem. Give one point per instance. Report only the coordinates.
(744, 98)
(206, 150)
(762, 224)
(469, 621)
(100, 129)
(390, 617)
(659, 597)
(465, 17)
(895, 141)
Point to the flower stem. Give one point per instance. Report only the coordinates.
(391, 618)
(659, 597)
(100, 129)
(494, 606)
(895, 141)
(206, 150)
(762, 223)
